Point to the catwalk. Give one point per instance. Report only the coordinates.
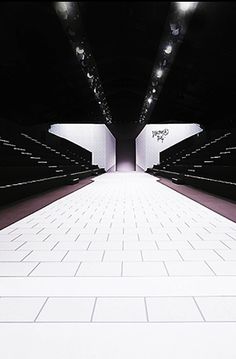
(124, 267)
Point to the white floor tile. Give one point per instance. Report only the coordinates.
(92, 238)
(208, 244)
(188, 269)
(218, 308)
(120, 310)
(25, 230)
(216, 235)
(223, 268)
(83, 256)
(161, 255)
(18, 309)
(173, 309)
(10, 246)
(16, 269)
(40, 246)
(54, 269)
(67, 310)
(102, 269)
(72, 245)
(189, 235)
(122, 256)
(13, 256)
(231, 243)
(160, 234)
(106, 245)
(62, 237)
(45, 256)
(8, 237)
(144, 269)
(173, 245)
(202, 254)
(228, 255)
(9, 229)
(123, 237)
(140, 230)
(115, 231)
(31, 238)
(138, 340)
(138, 245)
(153, 237)
(119, 286)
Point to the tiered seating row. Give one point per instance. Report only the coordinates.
(210, 166)
(28, 165)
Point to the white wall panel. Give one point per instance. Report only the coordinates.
(95, 138)
(140, 143)
(110, 150)
(148, 148)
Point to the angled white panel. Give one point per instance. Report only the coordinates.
(95, 138)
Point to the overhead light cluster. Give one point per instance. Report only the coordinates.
(176, 27)
(68, 12)
(186, 5)
(89, 68)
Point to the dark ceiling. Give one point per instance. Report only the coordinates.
(42, 81)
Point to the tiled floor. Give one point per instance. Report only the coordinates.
(123, 251)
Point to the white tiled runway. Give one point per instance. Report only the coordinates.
(122, 268)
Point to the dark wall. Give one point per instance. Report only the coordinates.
(125, 155)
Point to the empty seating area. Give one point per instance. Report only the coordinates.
(30, 164)
(208, 163)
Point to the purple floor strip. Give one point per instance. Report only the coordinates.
(223, 206)
(15, 211)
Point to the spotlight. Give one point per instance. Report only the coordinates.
(159, 73)
(154, 82)
(61, 6)
(168, 49)
(149, 100)
(79, 51)
(62, 9)
(175, 29)
(186, 5)
(154, 90)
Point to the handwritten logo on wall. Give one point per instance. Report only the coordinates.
(161, 134)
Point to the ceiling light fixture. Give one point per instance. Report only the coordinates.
(186, 5)
(159, 73)
(176, 27)
(168, 49)
(61, 6)
(62, 9)
(175, 30)
(79, 51)
(68, 12)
